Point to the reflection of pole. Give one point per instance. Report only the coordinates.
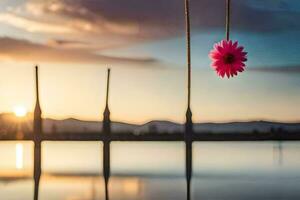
(93, 195)
(106, 129)
(278, 153)
(106, 165)
(37, 131)
(188, 123)
(188, 167)
(280, 159)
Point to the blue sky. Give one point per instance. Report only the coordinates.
(144, 45)
(283, 48)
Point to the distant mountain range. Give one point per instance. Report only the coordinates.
(74, 125)
(8, 123)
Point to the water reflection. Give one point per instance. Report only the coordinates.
(222, 170)
(131, 187)
(278, 153)
(71, 187)
(19, 156)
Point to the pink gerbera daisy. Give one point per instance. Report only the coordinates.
(228, 58)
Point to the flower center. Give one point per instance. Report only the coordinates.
(229, 58)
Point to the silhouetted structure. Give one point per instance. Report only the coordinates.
(106, 115)
(37, 131)
(106, 137)
(189, 122)
(106, 130)
(189, 149)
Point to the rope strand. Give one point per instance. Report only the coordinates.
(227, 19)
(188, 43)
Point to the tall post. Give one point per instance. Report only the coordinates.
(106, 114)
(37, 131)
(189, 122)
(106, 129)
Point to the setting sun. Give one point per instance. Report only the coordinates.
(20, 111)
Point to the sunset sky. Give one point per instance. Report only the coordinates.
(74, 41)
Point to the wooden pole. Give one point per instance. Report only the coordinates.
(106, 129)
(37, 131)
(188, 123)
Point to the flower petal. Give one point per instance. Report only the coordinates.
(219, 57)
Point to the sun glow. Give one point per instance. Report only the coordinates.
(20, 111)
(19, 156)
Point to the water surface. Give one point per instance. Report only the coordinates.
(155, 171)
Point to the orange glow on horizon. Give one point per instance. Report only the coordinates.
(20, 111)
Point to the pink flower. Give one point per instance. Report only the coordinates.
(228, 58)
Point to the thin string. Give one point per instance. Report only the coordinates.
(188, 42)
(227, 19)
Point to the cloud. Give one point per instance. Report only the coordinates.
(70, 44)
(31, 25)
(94, 25)
(142, 20)
(23, 50)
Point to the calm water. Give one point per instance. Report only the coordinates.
(154, 171)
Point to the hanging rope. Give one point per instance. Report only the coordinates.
(227, 19)
(188, 42)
